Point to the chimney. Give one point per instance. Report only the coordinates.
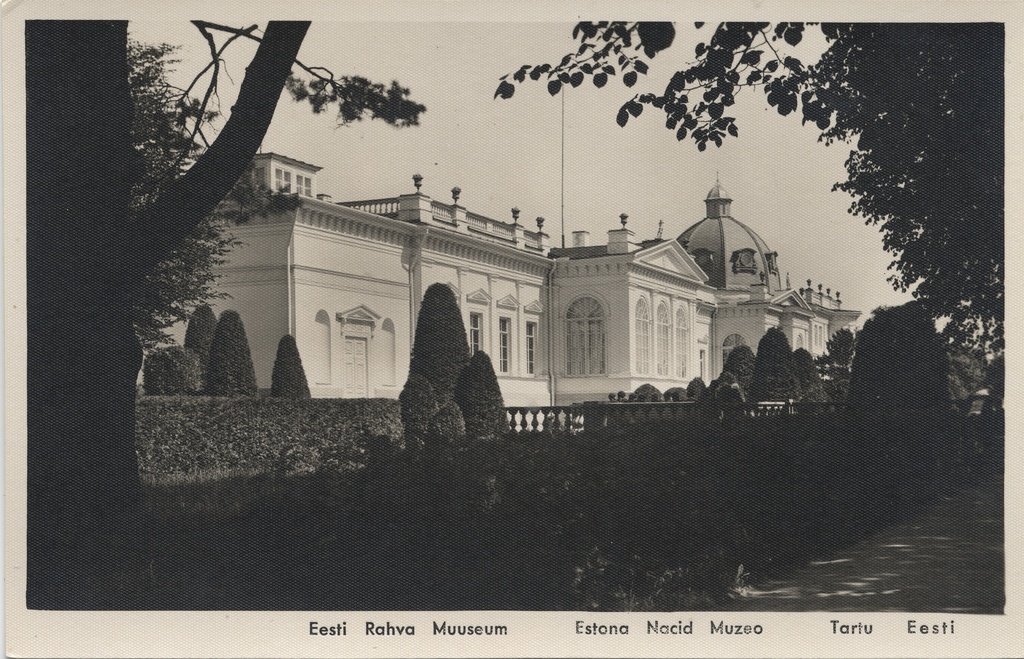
(580, 238)
(322, 196)
(618, 239)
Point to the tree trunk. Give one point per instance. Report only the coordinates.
(85, 545)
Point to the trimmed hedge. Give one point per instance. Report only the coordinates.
(192, 435)
(171, 371)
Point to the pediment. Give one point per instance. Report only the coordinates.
(479, 296)
(362, 313)
(508, 302)
(670, 256)
(791, 298)
(534, 307)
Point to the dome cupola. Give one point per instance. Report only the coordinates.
(732, 254)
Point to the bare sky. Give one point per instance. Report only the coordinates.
(505, 153)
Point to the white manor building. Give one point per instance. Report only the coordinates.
(561, 325)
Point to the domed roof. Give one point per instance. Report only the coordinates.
(732, 254)
(718, 192)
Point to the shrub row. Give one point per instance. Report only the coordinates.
(191, 435)
(659, 520)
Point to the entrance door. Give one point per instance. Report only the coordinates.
(355, 368)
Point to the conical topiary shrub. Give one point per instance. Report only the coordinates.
(695, 388)
(807, 377)
(479, 397)
(773, 369)
(419, 406)
(288, 379)
(230, 371)
(199, 333)
(741, 364)
(440, 350)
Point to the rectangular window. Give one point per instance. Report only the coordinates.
(476, 331)
(531, 347)
(304, 185)
(259, 176)
(504, 343)
(703, 373)
(283, 178)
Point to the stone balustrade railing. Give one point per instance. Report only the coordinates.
(386, 207)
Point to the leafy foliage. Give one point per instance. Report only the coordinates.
(922, 105)
(695, 388)
(966, 372)
(479, 397)
(171, 371)
(740, 363)
(901, 361)
(185, 278)
(288, 379)
(230, 370)
(440, 349)
(357, 97)
(773, 370)
(995, 375)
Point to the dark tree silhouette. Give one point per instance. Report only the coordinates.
(834, 365)
(901, 361)
(440, 349)
(288, 379)
(479, 397)
(230, 371)
(773, 371)
(87, 249)
(695, 388)
(922, 106)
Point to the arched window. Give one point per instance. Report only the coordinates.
(643, 337)
(732, 341)
(584, 337)
(682, 341)
(664, 339)
(387, 347)
(320, 359)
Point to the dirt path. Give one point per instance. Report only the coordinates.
(950, 558)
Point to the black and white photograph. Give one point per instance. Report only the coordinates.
(461, 329)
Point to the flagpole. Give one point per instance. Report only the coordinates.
(563, 168)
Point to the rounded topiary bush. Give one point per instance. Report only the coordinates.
(419, 406)
(675, 394)
(648, 393)
(479, 397)
(288, 379)
(440, 350)
(171, 371)
(230, 371)
(695, 388)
